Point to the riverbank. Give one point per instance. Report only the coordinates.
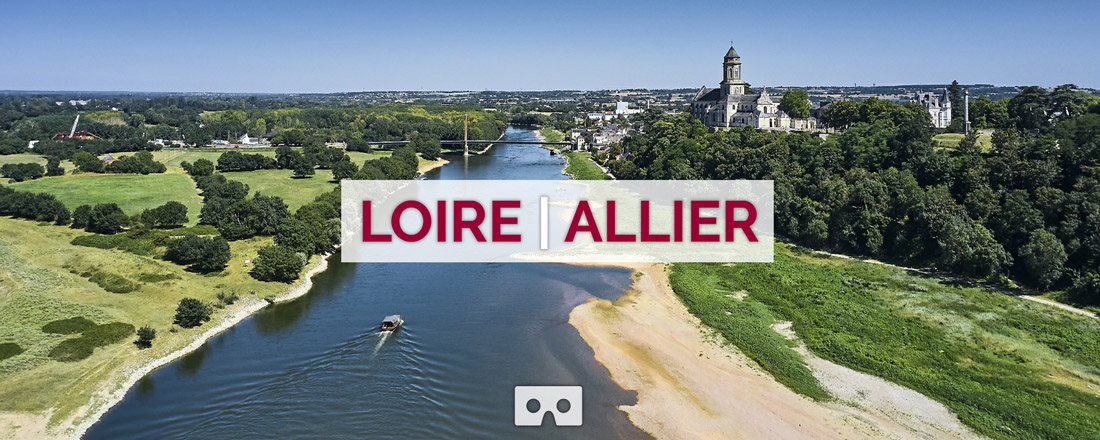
(691, 385)
(129, 376)
(426, 165)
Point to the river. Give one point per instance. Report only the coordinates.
(317, 367)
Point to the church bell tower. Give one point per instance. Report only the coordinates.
(731, 74)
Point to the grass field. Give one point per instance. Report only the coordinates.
(172, 157)
(30, 158)
(295, 192)
(581, 166)
(40, 282)
(951, 140)
(1007, 367)
(132, 192)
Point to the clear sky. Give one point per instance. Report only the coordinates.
(332, 46)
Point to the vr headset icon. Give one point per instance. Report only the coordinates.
(563, 402)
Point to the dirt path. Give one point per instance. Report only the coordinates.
(692, 387)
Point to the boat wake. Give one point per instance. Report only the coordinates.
(382, 337)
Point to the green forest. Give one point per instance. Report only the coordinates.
(1026, 212)
(135, 125)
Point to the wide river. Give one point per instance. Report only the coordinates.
(317, 367)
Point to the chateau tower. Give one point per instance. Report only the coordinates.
(731, 74)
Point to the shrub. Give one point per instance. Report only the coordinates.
(228, 298)
(72, 350)
(145, 336)
(157, 277)
(75, 349)
(107, 334)
(76, 324)
(191, 313)
(113, 283)
(122, 242)
(9, 349)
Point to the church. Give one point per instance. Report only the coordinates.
(729, 106)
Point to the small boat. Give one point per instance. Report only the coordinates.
(391, 323)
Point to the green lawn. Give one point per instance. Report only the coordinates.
(551, 135)
(951, 140)
(43, 279)
(1009, 368)
(581, 166)
(132, 192)
(295, 192)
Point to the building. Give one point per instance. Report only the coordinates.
(729, 106)
(623, 109)
(938, 107)
(74, 135)
(245, 140)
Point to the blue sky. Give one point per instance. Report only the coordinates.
(322, 46)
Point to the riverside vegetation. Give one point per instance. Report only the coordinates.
(89, 257)
(1009, 368)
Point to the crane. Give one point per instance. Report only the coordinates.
(73, 131)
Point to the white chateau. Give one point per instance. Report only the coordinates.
(729, 106)
(939, 108)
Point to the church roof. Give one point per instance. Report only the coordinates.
(706, 94)
(732, 53)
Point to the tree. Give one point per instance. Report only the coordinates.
(191, 313)
(343, 169)
(201, 167)
(278, 263)
(407, 156)
(427, 145)
(141, 162)
(106, 218)
(237, 161)
(1042, 258)
(145, 336)
(81, 216)
(203, 254)
(955, 97)
(301, 165)
(22, 171)
(171, 214)
(259, 127)
(282, 157)
(796, 103)
(87, 162)
(1028, 109)
(53, 166)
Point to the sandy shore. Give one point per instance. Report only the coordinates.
(691, 386)
(428, 166)
(110, 396)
